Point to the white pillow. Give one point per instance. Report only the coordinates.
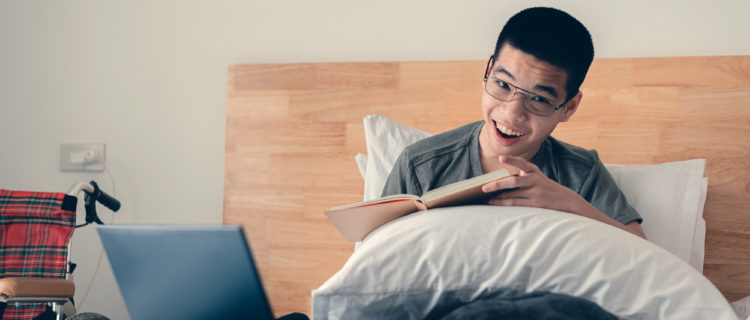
(412, 265)
(669, 196)
(361, 160)
(385, 139)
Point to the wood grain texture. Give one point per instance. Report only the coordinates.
(293, 130)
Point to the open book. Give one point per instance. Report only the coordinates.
(355, 221)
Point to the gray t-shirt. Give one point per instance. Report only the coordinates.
(454, 156)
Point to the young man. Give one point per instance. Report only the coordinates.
(531, 84)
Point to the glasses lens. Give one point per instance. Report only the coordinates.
(539, 105)
(499, 89)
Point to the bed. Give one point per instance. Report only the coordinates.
(293, 131)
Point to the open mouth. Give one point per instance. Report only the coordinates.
(508, 133)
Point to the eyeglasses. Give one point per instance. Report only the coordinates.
(532, 102)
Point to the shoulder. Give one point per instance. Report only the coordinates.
(434, 161)
(567, 164)
(571, 154)
(443, 144)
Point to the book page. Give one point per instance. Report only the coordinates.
(357, 222)
(391, 198)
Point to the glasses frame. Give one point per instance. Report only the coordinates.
(522, 91)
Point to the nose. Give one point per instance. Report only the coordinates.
(515, 107)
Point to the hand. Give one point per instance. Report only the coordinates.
(531, 188)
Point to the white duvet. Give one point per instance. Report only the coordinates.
(410, 266)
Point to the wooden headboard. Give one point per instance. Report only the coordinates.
(293, 130)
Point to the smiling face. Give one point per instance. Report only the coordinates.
(509, 129)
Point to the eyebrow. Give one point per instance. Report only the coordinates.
(550, 90)
(539, 87)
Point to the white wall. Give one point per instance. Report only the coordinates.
(148, 79)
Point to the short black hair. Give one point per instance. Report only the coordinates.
(553, 36)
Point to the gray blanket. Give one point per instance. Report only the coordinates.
(535, 305)
(498, 303)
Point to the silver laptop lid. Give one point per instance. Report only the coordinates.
(185, 272)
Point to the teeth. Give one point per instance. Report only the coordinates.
(508, 131)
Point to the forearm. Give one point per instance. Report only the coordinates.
(583, 208)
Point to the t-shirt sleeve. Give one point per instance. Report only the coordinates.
(403, 178)
(601, 191)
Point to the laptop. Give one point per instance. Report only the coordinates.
(185, 272)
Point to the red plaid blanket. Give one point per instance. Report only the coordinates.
(35, 228)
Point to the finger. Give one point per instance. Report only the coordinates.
(519, 163)
(510, 202)
(502, 184)
(519, 201)
(510, 194)
(518, 192)
(512, 182)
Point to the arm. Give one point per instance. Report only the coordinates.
(534, 189)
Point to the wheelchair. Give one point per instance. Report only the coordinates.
(35, 233)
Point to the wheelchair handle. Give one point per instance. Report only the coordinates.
(93, 195)
(92, 190)
(104, 198)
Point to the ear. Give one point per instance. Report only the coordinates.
(571, 107)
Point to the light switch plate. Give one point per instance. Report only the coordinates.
(82, 156)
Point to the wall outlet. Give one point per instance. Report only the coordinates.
(82, 156)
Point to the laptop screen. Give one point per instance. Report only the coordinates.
(185, 272)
